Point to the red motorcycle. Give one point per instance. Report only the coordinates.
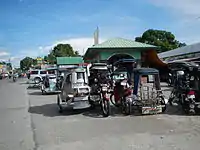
(122, 96)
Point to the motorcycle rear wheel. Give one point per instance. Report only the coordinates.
(126, 107)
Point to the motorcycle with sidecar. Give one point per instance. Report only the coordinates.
(49, 84)
(186, 88)
(147, 94)
(74, 90)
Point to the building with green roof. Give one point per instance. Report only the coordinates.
(114, 49)
(69, 60)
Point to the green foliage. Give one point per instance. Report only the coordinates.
(27, 62)
(2, 63)
(9, 65)
(165, 40)
(61, 50)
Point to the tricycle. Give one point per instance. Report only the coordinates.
(147, 94)
(49, 84)
(186, 88)
(74, 90)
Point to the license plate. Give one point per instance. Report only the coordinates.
(123, 83)
(151, 110)
(80, 99)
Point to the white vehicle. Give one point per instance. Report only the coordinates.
(75, 90)
(37, 75)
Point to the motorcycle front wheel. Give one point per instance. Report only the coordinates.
(105, 107)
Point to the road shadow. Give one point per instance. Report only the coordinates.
(51, 110)
(40, 93)
(174, 110)
(178, 111)
(33, 87)
(35, 93)
(97, 112)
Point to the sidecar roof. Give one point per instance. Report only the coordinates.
(145, 71)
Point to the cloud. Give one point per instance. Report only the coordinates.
(78, 44)
(187, 8)
(3, 53)
(186, 14)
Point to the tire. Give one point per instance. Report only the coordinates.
(105, 107)
(58, 103)
(112, 99)
(91, 103)
(163, 103)
(126, 108)
(37, 80)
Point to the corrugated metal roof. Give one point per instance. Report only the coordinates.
(122, 43)
(69, 60)
(194, 48)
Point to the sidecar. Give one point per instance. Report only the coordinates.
(74, 90)
(49, 84)
(147, 95)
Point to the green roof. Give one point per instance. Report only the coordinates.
(122, 43)
(69, 60)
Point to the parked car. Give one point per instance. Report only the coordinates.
(36, 75)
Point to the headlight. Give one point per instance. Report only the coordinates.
(123, 83)
(104, 88)
(70, 95)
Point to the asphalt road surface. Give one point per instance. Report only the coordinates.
(30, 121)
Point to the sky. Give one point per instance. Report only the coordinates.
(32, 27)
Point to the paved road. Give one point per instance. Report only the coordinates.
(15, 123)
(29, 120)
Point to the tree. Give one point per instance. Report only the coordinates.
(9, 66)
(3, 63)
(60, 50)
(165, 40)
(27, 62)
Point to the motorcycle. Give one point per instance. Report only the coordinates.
(121, 96)
(185, 93)
(98, 94)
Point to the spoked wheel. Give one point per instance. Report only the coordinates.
(58, 103)
(105, 107)
(126, 107)
(37, 80)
